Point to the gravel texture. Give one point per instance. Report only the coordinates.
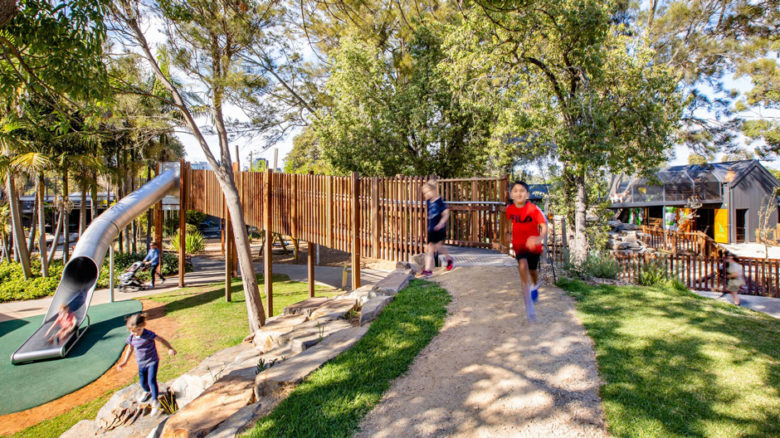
(489, 373)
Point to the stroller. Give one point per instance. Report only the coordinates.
(129, 280)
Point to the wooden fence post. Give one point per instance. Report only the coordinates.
(294, 214)
(329, 211)
(310, 267)
(375, 217)
(268, 256)
(355, 231)
(182, 219)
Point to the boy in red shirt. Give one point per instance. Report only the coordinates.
(529, 227)
(66, 321)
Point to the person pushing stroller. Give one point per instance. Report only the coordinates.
(153, 260)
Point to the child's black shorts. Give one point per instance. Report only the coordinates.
(436, 236)
(533, 259)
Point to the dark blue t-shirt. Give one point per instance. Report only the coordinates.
(435, 208)
(145, 350)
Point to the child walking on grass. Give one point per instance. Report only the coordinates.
(66, 321)
(142, 342)
(529, 227)
(438, 214)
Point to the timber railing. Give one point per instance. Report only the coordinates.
(386, 217)
(703, 273)
(679, 242)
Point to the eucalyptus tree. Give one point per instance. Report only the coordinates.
(8, 144)
(570, 81)
(209, 42)
(706, 41)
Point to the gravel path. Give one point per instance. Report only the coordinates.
(489, 373)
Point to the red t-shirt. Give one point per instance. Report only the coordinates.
(525, 222)
(66, 321)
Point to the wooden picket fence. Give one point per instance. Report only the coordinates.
(385, 216)
(703, 273)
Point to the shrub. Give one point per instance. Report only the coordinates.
(652, 274)
(193, 241)
(14, 287)
(601, 266)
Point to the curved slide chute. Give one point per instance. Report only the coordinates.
(80, 275)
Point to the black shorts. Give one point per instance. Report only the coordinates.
(531, 258)
(436, 236)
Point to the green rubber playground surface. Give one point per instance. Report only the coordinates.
(32, 384)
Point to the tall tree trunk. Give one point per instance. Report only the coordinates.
(148, 212)
(7, 11)
(224, 173)
(66, 219)
(134, 224)
(83, 209)
(4, 252)
(120, 238)
(93, 191)
(580, 243)
(17, 228)
(56, 241)
(33, 225)
(42, 226)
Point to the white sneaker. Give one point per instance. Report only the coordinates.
(145, 396)
(155, 408)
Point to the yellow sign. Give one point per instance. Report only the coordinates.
(722, 225)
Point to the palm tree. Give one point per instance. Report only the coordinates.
(8, 143)
(37, 164)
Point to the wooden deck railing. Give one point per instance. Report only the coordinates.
(679, 242)
(390, 222)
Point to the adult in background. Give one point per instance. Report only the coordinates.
(153, 259)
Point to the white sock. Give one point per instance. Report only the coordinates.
(529, 307)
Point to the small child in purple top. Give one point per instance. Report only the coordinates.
(142, 342)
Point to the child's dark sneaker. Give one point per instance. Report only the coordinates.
(450, 263)
(535, 295)
(425, 274)
(144, 397)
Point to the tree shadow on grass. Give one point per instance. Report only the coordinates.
(193, 297)
(667, 381)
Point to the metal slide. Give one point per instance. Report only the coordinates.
(80, 275)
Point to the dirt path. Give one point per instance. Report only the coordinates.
(490, 373)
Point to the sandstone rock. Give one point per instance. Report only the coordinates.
(294, 370)
(188, 387)
(373, 307)
(122, 399)
(269, 335)
(309, 336)
(305, 307)
(414, 267)
(419, 259)
(220, 401)
(231, 427)
(81, 429)
(334, 308)
(391, 284)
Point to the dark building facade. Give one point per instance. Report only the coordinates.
(722, 200)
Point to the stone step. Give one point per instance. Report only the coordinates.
(392, 284)
(373, 307)
(293, 371)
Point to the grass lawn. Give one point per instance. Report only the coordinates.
(206, 324)
(332, 400)
(676, 364)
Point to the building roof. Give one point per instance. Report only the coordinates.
(678, 185)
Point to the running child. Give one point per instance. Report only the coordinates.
(438, 214)
(735, 279)
(529, 227)
(66, 321)
(141, 341)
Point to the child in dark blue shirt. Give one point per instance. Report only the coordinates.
(438, 214)
(142, 341)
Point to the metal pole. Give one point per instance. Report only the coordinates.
(111, 270)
